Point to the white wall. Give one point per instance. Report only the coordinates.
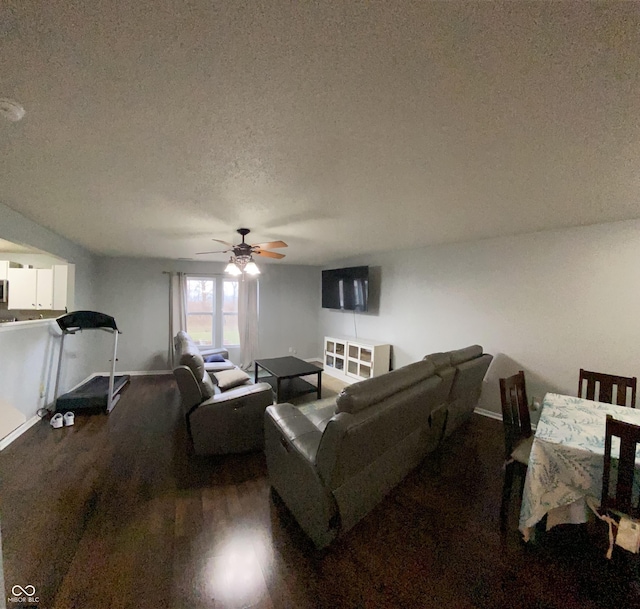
(27, 352)
(548, 303)
(136, 292)
(37, 261)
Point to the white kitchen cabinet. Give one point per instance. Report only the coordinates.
(4, 269)
(30, 288)
(22, 288)
(63, 286)
(44, 289)
(354, 359)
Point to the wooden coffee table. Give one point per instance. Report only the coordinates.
(285, 377)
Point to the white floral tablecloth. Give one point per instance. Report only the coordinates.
(566, 462)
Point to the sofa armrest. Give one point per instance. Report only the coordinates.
(297, 432)
(214, 351)
(259, 389)
(190, 394)
(291, 443)
(231, 421)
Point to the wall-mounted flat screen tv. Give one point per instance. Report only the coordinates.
(346, 289)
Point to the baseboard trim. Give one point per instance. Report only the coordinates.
(497, 416)
(82, 382)
(134, 373)
(18, 431)
(488, 413)
(149, 373)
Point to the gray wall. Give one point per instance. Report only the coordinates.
(548, 303)
(289, 305)
(27, 355)
(136, 292)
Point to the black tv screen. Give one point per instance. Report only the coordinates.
(346, 289)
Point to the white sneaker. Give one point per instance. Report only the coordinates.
(56, 421)
(69, 419)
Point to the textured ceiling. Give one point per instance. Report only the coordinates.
(338, 127)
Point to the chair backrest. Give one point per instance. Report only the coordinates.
(629, 436)
(515, 411)
(589, 381)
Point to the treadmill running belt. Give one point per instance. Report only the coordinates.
(91, 395)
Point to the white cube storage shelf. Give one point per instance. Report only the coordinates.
(354, 359)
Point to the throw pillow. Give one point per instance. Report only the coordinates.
(227, 379)
(216, 357)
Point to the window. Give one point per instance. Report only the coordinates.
(230, 333)
(212, 311)
(201, 310)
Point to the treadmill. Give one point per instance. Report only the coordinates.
(99, 393)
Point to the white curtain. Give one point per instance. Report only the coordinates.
(177, 310)
(248, 321)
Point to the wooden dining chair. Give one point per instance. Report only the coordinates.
(622, 499)
(605, 384)
(619, 500)
(517, 437)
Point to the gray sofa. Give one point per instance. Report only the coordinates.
(224, 410)
(334, 466)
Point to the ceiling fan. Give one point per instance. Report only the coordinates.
(241, 259)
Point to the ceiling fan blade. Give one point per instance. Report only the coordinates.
(223, 242)
(268, 254)
(214, 252)
(270, 245)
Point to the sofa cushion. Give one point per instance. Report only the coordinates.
(469, 376)
(464, 355)
(216, 357)
(227, 379)
(320, 412)
(190, 357)
(439, 360)
(207, 387)
(212, 367)
(193, 360)
(358, 396)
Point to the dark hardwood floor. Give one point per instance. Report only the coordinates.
(114, 512)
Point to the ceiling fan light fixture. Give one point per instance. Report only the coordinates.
(241, 260)
(252, 268)
(232, 267)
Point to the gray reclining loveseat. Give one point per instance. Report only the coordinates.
(224, 409)
(333, 467)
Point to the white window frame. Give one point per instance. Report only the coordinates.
(224, 314)
(217, 314)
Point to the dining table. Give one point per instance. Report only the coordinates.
(564, 475)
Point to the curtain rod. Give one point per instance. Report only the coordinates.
(196, 274)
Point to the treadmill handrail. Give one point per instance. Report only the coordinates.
(70, 323)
